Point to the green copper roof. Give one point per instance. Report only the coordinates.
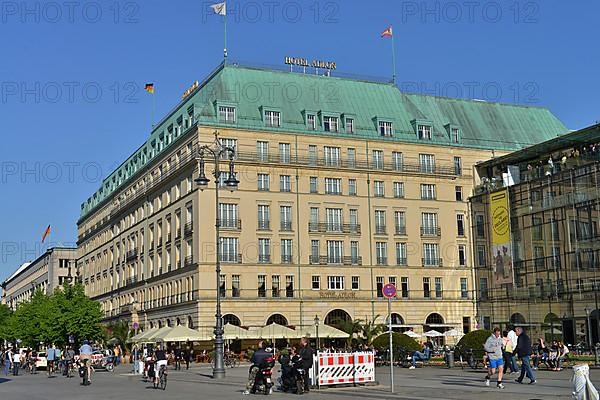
(251, 91)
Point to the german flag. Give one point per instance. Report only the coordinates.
(46, 233)
(149, 88)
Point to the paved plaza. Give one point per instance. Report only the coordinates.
(422, 383)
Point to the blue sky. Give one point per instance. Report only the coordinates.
(72, 103)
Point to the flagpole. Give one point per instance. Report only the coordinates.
(153, 107)
(225, 37)
(393, 57)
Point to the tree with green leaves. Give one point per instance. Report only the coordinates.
(370, 330)
(5, 314)
(120, 331)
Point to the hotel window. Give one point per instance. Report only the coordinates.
(284, 153)
(429, 224)
(427, 163)
(537, 228)
(223, 286)
(275, 285)
(332, 156)
(480, 225)
(333, 218)
(386, 128)
(312, 154)
(352, 187)
(286, 251)
(379, 282)
(424, 132)
(235, 286)
(313, 184)
(401, 254)
(263, 182)
(426, 288)
(399, 190)
(427, 191)
(285, 184)
(481, 255)
(264, 217)
(264, 251)
(377, 159)
(333, 185)
(460, 224)
(400, 222)
(272, 118)
(228, 215)
(355, 283)
(316, 282)
(314, 251)
(262, 286)
(378, 189)
(262, 150)
(232, 143)
(314, 215)
(335, 251)
(349, 125)
(229, 249)
(335, 282)
(380, 227)
(226, 114)
(455, 135)
(462, 255)
(311, 122)
(351, 158)
(483, 288)
(404, 287)
(354, 252)
(457, 166)
(289, 286)
(397, 160)
(430, 254)
(459, 193)
(330, 124)
(381, 252)
(285, 218)
(464, 288)
(438, 287)
(353, 218)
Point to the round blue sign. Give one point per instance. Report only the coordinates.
(389, 291)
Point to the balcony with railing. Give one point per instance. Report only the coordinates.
(188, 261)
(381, 260)
(264, 258)
(401, 261)
(188, 229)
(431, 231)
(286, 258)
(328, 227)
(231, 224)
(431, 262)
(264, 224)
(231, 258)
(285, 226)
(131, 254)
(335, 260)
(380, 230)
(400, 230)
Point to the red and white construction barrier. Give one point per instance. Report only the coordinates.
(343, 368)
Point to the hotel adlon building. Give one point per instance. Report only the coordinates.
(345, 185)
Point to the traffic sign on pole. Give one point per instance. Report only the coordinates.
(389, 291)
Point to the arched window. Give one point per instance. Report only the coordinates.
(517, 319)
(231, 319)
(168, 322)
(337, 317)
(397, 319)
(178, 322)
(278, 319)
(433, 319)
(159, 324)
(151, 324)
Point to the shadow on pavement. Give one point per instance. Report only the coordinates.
(3, 380)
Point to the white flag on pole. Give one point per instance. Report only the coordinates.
(219, 8)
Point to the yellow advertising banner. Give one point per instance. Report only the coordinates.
(501, 245)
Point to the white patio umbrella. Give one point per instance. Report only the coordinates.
(453, 333)
(433, 333)
(274, 331)
(412, 334)
(234, 332)
(182, 333)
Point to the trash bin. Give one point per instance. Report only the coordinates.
(449, 357)
(583, 389)
(597, 354)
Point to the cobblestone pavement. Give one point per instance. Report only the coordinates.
(422, 383)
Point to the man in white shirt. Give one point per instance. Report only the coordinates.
(512, 336)
(16, 363)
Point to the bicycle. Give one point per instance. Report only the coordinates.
(162, 378)
(230, 361)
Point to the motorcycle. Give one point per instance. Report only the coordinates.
(293, 376)
(263, 383)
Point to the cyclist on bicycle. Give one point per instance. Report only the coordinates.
(69, 358)
(85, 355)
(50, 357)
(160, 355)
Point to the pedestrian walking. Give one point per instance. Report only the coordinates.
(50, 357)
(512, 335)
(507, 353)
(493, 348)
(16, 363)
(7, 361)
(523, 350)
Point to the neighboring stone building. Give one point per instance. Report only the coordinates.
(346, 185)
(550, 280)
(48, 272)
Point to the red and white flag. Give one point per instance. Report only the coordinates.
(387, 32)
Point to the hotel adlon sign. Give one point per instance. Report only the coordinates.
(304, 62)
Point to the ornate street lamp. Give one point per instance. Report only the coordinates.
(216, 151)
(317, 330)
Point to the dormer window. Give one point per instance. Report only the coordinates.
(455, 135)
(272, 118)
(330, 124)
(349, 125)
(386, 128)
(424, 132)
(311, 122)
(227, 114)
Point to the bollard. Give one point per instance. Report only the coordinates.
(449, 357)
